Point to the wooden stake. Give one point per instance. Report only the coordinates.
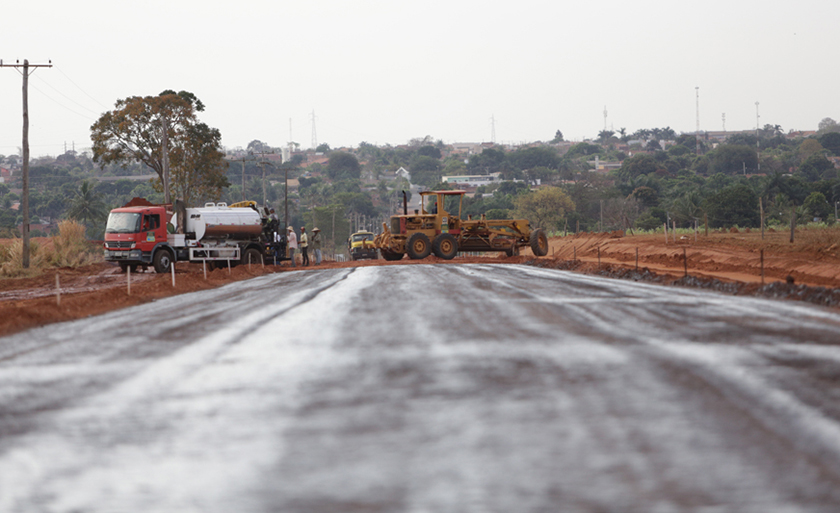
(599, 257)
(762, 267)
(685, 263)
(761, 209)
(574, 253)
(637, 259)
(204, 267)
(57, 291)
(674, 231)
(792, 223)
(172, 268)
(128, 279)
(666, 232)
(228, 266)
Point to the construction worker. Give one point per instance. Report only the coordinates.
(292, 243)
(316, 244)
(304, 246)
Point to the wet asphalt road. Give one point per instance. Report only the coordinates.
(441, 388)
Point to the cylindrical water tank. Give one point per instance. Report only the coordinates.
(223, 222)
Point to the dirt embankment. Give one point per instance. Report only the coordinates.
(808, 269)
(813, 259)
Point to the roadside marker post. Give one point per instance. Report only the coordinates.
(637, 259)
(57, 291)
(228, 266)
(128, 279)
(172, 268)
(762, 267)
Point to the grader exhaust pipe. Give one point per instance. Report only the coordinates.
(405, 203)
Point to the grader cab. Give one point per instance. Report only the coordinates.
(438, 227)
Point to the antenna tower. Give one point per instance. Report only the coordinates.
(493, 129)
(314, 134)
(697, 132)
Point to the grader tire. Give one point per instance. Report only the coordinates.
(512, 251)
(445, 246)
(391, 256)
(418, 246)
(539, 242)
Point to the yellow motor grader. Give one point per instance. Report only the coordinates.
(437, 227)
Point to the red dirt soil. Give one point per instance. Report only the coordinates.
(814, 259)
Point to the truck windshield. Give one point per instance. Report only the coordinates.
(123, 222)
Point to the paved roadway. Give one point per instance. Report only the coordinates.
(441, 388)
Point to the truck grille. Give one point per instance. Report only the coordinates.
(118, 244)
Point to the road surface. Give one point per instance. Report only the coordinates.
(427, 388)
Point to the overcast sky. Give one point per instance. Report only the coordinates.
(388, 71)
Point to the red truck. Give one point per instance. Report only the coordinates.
(142, 234)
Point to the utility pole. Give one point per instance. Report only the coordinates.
(262, 165)
(757, 144)
(164, 149)
(242, 160)
(24, 201)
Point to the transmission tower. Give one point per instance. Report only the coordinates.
(493, 129)
(697, 132)
(314, 134)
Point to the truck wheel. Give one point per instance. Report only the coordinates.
(539, 242)
(390, 256)
(162, 261)
(445, 246)
(251, 255)
(418, 246)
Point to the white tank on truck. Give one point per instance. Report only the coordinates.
(219, 221)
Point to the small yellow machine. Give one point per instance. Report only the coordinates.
(361, 246)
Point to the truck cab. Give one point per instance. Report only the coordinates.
(133, 235)
(361, 245)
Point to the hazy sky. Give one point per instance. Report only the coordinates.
(388, 71)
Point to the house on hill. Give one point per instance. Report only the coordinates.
(5, 174)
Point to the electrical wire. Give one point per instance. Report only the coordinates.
(78, 87)
(64, 95)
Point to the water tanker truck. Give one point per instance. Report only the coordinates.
(142, 234)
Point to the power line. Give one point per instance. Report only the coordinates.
(80, 89)
(64, 95)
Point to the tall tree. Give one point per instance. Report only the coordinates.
(545, 208)
(86, 204)
(133, 131)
